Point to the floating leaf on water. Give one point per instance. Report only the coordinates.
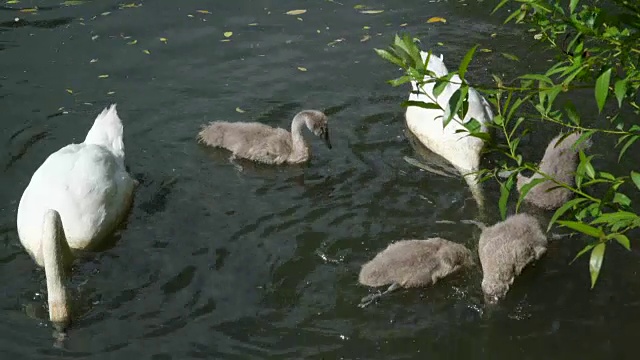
(318, 31)
(103, 76)
(485, 50)
(436, 19)
(510, 57)
(204, 11)
(111, 92)
(93, 61)
(253, 24)
(359, 7)
(164, 40)
(494, 35)
(95, 37)
(302, 68)
(132, 42)
(365, 38)
(296, 12)
(440, 43)
(371, 11)
(69, 91)
(106, 13)
(335, 42)
(67, 3)
(299, 19)
(239, 110)
(366, 27)
(29, 10)
(131, 5)
(403, 24)
(189, 15)
(13, 1)
(146, 52)
(225, 40)
(228, 34)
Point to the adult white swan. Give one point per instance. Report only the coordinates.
(73, 201)
(460, 149)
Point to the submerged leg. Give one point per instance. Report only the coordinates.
(427, 167)
(232, 160)
(373, 297)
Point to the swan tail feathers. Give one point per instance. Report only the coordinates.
(54, 250)
(107, 131)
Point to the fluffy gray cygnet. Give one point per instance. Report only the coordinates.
(413, 263)
(505, 249)
(266, 144)
(560, 161)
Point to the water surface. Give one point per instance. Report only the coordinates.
(218, 263)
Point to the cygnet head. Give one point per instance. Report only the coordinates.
(493, 290)
(317, 123)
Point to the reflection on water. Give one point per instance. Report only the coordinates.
(216, 262)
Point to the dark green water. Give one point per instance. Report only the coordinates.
(221, 264)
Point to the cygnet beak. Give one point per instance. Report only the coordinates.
(325, 138)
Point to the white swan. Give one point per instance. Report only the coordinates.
(74, 199)
(461, 150)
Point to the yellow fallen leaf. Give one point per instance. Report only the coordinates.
(228, 34)
(29, 10)
(189, 15)
(69, 91)
(302, 68)
(133, 42)
(164, 40)
(146, 52)
(366, 27)
(253, 24)
(403, 24)
(436, 19)
(365, 38)
(103, 76)
(111, 92)
(359, 7)
(239, 110)
(485, 50)
(13, 1)
(371, 11)
(204, 11)
(296, 12)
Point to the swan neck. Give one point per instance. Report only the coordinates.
(299, 146)
(54, 250)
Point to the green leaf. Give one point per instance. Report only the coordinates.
(572, 5)
(620, 89)
(465, 61)
(572, 113)
(582, 252)
(621, 239)
(525, 189)
(627, 145)
(602, 88)
(583, 228)
(505, 188)
(622, 199)
(635, 177)
(595, 262)
(389, 57)
(568, 205)
(455, 103)
(399, 81)
(421, 104)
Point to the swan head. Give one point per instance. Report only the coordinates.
(317, 123)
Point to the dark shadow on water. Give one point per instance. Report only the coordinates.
(42, 24)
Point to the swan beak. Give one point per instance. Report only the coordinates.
(325, 138)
